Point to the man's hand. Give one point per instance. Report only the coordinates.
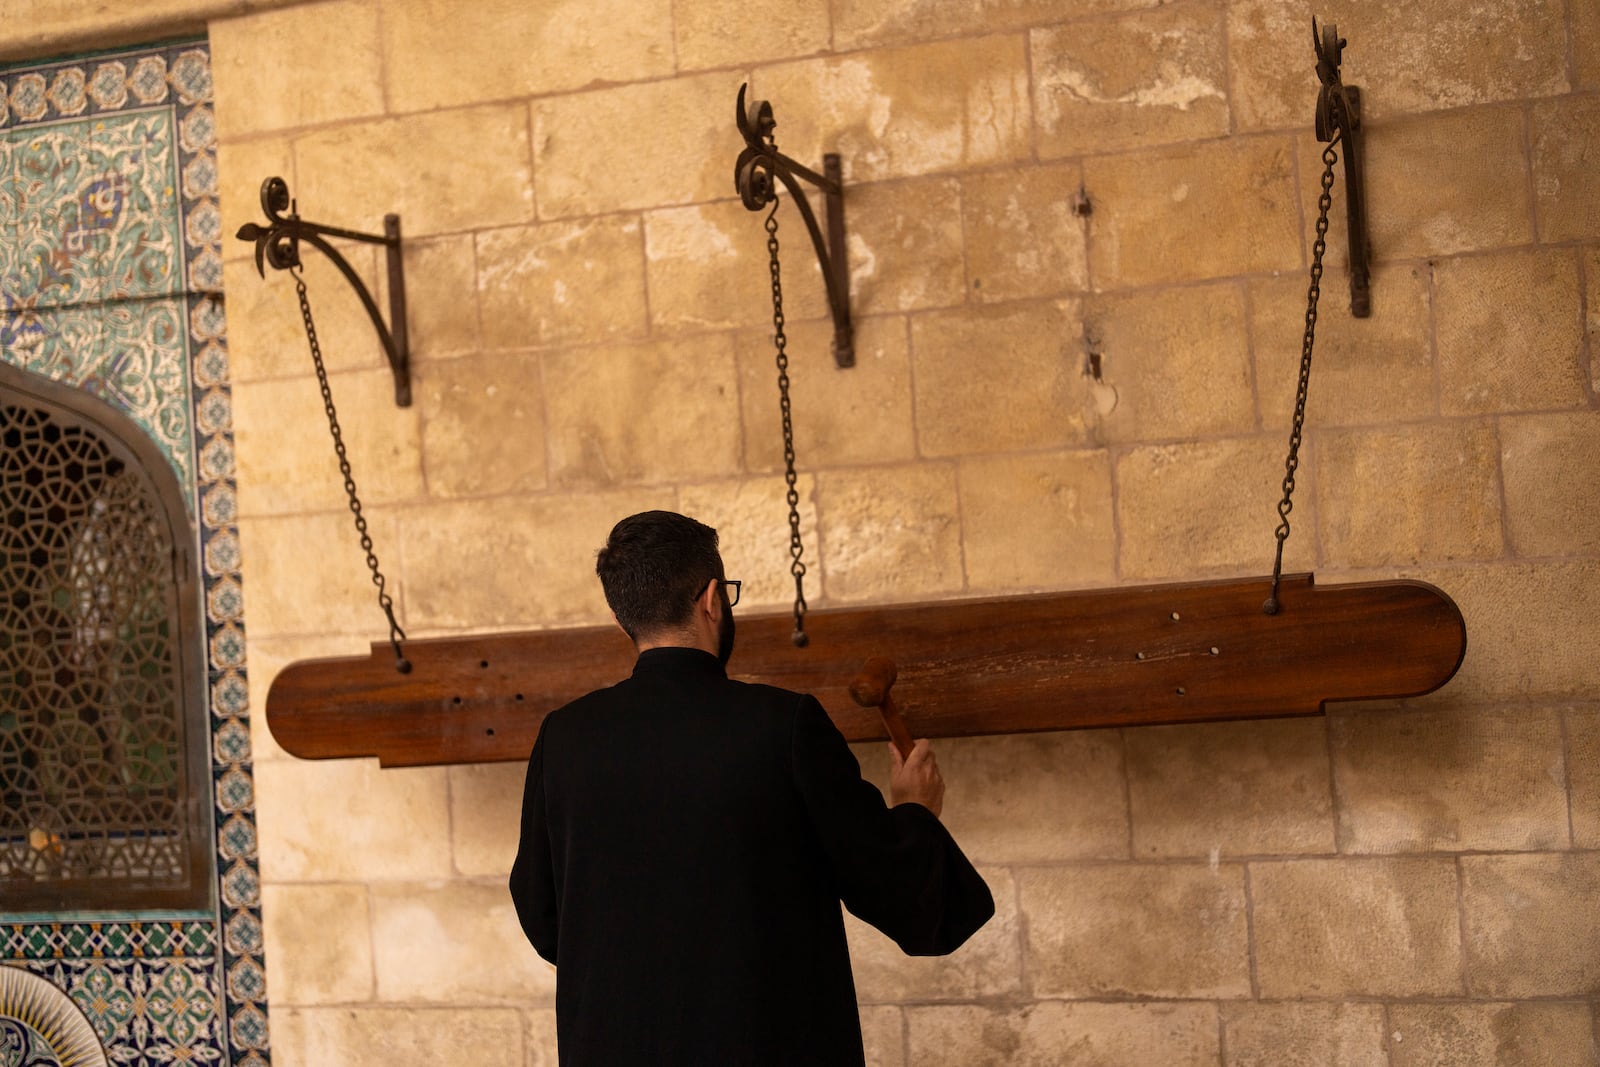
(916, 779)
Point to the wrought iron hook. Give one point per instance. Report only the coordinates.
(1339, 119)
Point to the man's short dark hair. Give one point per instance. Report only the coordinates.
(652, 568)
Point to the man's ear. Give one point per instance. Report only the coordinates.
(709, 602)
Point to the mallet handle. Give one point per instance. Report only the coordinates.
(870, 689)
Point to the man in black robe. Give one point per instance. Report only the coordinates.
(687, 840)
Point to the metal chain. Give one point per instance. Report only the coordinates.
(1292, 464)
(796, 548)
(396, 634)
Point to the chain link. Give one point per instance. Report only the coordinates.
(396, 635)
(780, 341)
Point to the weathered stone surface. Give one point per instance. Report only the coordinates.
(540, 1035)
(1288, 1034)
(988, 965)
(724, 33)
(1585, 24)
(387, 824)
(382, 1037)
(905, 246)
(268, 656)
(450, 170)
(562, 282)
(882, 1036)
(896, 113)
(1040, 521)
(889, 533)
(1179, 931)
(858, 23)
(1583, 775)
(241, 168)
(1149, 77)
(1422, 62)
(267, 335)
(255, 93)
(665, 411)
(1422, 492)
(1552, 501)
(442, 320)
(1230, 789)
(1177, 363)
(1023, 236)
(486, 817)
(327, 591)
(1565, 186)
(751, 517)
(1028, 391)
(318, 943)
(482, 425)
(1532, 924)
(1509, 334)
(840, 416)
(1206, 210)
(587, 145)
(454, 943)
(1448, 779)
(1048, 1033)
(1364, 371)
(518, 49)
(1348, 927)
(1210, 508)
(1464, 1035)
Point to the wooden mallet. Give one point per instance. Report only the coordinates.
(871, 690)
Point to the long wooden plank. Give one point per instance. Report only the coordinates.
(1111, 657)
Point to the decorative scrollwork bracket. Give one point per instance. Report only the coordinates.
(753, 175)
(279, 244)
(1339, 116)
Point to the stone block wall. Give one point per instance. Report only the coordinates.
(1411, 883)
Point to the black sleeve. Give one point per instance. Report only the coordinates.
(897, 868)
(533, 888)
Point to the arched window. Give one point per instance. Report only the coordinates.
(103, 764)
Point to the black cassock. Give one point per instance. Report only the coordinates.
(686, 842)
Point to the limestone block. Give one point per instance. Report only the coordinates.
(988, 965)
(901, 112)
(1510, 333)
(751, 517)
(587, 146)
(1345, 927)
(1363, 371)
(1206, 210)
(268, 656)
(889, 533)
(267, 333)
(1145, 78)
(882, 1036)
(562, 282)
(259, 64)
(441, 171)
(1420, 492)
(346, 820)
(858, 23)
(285, 454)
(482, 425)
(727, 33)
(1535, 1034)
(241, 168)
(840, 416)
(441, 54)
(441, 312)
(1583, 775)
(1048, 1033)
(1210, 508)
(1552, 500)
(486, 817)
(1565, 186)
(318, 943)
(905, 246)
(1177, 362)
(666, 411)
(999, 379)
(1586, 45)
(707, 267)
(539, 1035)
(1230, 789)
(513, 561)
(1289, 1034)
(1179, 931)
(1449, 779)
(454, 943)
(382, 1037)
(306, 574)
(1532, 924)
(1040, 521)
(1023, 238)
(1409, 57)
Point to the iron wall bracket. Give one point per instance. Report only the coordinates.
(279, 244)
(753, 175)
(1339, 116)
